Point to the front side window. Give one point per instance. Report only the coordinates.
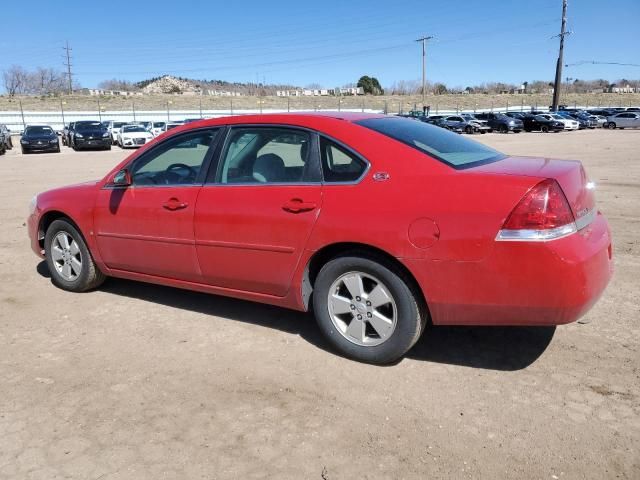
(339, 164)
(176, 161)
(267, 155)
(448, 147)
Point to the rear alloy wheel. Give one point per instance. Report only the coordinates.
(366, 309)
(504, 129)
(71, 266)
(611, 125)
(544, 129)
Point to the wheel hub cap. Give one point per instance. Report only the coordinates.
(362, 309)
(66, 256)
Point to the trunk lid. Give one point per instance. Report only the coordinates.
(569, 174)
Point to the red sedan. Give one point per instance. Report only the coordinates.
(379, 224)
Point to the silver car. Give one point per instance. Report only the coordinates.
(624, 120)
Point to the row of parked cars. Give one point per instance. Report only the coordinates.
(542, 121)
(95, 134)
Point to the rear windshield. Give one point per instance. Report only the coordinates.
(448, 147)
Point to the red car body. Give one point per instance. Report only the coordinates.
(440, 223)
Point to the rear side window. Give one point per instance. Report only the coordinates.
(338, 164)
(448, 147)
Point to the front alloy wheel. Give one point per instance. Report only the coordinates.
(70, 263)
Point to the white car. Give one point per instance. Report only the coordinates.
(568, 123)
(133, 136)
(114, 128)
(157, 128)
(624, 120)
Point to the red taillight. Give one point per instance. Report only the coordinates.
(544, 207)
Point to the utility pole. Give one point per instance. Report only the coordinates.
(68, 65)
(557, 83)
(424, 59)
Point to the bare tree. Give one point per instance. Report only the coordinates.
(45, 81)
(118, 85)
(14, 80)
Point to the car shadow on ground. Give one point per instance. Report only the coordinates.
(492, 348)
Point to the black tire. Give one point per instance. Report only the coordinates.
(504, 129)
(108, 148)
(411, 315)
(544, 129)
(10, 144)
(611, 125)
(90, 276)
(24, 152)
(468, 130)
(58, 149)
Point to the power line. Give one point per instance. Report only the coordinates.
(594, 62)
(556, 85)
(424, 41)
(67, 48)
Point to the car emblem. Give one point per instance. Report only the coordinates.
(381, 176)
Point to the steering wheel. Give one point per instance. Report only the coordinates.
(173, 169)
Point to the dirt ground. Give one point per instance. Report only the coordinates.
(144, 382)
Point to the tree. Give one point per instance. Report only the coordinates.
(439, 89)
(14, 80)
(370, 85)
(118, 85)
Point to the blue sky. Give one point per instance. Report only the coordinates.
(329, 43)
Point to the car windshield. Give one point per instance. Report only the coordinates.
(557, 117)
(118, 124)
(133, 128)
(88, 126)
(158, 124)
(38, 131)
(540, 118)
(443, 145)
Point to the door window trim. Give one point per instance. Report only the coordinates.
(218, 132)
(214, 175)
(352, 152)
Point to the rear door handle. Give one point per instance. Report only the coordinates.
(174, 204)
(297, 205)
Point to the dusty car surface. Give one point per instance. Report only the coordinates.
(378, 224)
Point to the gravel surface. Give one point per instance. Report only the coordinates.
(145, 382)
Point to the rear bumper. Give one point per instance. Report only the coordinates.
(521, 283)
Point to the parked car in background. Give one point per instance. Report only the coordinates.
(500, 122)
(486, 239)
(157, 128)
(582, 124)
(133, 136)
(460, 124)
(89, 134)
(539, 123)
(569, 123)
(39, 138)
(624, 120)
(484, 126)
(6, 135)
(169, 125)
(113, 128)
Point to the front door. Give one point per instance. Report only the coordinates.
(253, 220)
(147, 227)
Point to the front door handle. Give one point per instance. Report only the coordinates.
(297, 205)
(174, 204)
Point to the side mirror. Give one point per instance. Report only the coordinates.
(122, 178)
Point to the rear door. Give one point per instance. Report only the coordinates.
(255, 215)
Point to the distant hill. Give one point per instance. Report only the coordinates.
(171, 84)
